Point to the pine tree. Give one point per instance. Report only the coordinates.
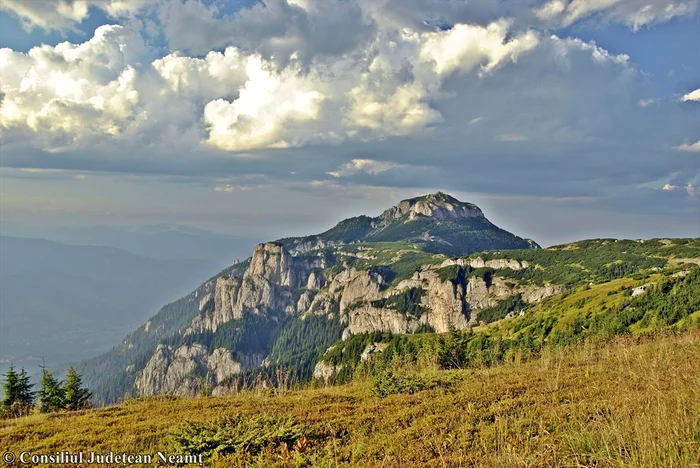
(51, 394)
(17, 388)
(10, 388)
(76, 396)
(26, 395)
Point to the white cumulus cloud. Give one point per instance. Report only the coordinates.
(73, 92)
(634, 13)
(466, 47)
(693, 147)
(66, 14)
(271, 111)
(691, 96)
(561, 108)
(368, 166)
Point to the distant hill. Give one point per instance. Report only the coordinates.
(64, 302)
(162, 241)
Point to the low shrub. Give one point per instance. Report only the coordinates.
(390, 384)
(238, 434)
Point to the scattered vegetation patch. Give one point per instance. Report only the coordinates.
(424, 328)
(407, 302)
(394, 261)
(390, 384)
(346, 355)
(394, 382)
(456, 274)
(238, 434)
(513, 303)
(386, 272)
(594, 260)
(253, 333)
(301, 343)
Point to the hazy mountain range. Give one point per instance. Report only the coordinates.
(61, 302)
(163, 241)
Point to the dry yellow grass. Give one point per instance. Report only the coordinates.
(629, 403)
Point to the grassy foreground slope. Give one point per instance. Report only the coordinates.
(634, 401)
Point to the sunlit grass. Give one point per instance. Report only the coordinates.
(628, 403)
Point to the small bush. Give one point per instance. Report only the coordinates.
(424, 328)
(238, 434)
(391, 384)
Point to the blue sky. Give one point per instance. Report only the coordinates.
(561, 121)
(655, 49)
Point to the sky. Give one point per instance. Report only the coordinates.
(561, 119)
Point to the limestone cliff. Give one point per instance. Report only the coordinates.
(188, 370)
(276, 281)
(479, 262)
(266, 285)
(437, 206)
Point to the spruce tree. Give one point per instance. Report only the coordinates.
(10, 388)
(76, 396)
(51, 394)
(26, 394)
(17, 388)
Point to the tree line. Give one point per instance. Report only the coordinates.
(53, 394)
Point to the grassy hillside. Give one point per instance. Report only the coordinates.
(596, 260)
(633, 402)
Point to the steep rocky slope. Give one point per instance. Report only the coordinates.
(280, 310)
(277, 287)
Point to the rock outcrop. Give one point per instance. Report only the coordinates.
(479, 262)
(276, 281)
(324, 370)
(188, 370)
(266, 285)
(438, 206)
(372, 348)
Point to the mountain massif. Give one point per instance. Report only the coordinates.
(317, 306)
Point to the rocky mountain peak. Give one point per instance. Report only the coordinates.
(438, 206)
